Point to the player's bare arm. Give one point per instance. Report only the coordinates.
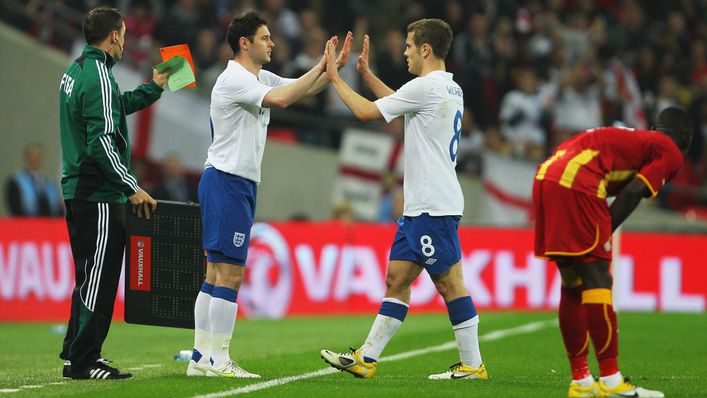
(627, 201)
(362, 108)
(376, 85)
(282, 97)
(341, 61)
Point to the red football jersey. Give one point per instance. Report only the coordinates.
(602, 161)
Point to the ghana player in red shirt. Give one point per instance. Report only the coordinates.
(574, 224)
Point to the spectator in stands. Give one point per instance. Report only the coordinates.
(494, 141)
(629, 34)
(522, 117)
(698, 57)
(205, 52)
(180, 24)
(667, 94)
(472, 51)
(391, 67)
(175, 185)
(144, 173)
(621, 95)
(309, 19)
(309, 56)
(285, 20)
(343, 212)
(390, 206)
(577, 103)
(30, 192)
(140, 24)
(207, 78)
(471, 145)
(334, 105)
(541, 41)
(646, 69)
(454, 15)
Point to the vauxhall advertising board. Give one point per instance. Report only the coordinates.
(313, 268)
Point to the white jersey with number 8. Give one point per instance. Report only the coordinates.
(433, 106)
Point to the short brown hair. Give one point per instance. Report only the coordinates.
(434, 32)
(99, 22)
(244, 25)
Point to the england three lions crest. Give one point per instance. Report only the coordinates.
(238, 239)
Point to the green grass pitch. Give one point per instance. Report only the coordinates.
(667, 352)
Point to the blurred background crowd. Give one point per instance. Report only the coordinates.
(533, 72)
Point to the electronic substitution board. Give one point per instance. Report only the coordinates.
(164, 265)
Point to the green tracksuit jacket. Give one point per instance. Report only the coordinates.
(94, 136)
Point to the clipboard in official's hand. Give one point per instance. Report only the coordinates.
(184, 76)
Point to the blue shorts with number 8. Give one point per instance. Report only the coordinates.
(431, 242)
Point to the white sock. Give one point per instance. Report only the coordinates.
(383, 329)
(467, 336)
(222, 318)
(391, 315)
(202, 332)
(585, 382)
(612, 381)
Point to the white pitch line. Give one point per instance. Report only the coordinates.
(28, 387)
(491, 336)
(141, 367)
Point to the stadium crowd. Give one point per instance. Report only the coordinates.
(534, 72)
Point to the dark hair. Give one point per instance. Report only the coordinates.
(434, 32)
(676, 123)
(244, 25)
(99, 22)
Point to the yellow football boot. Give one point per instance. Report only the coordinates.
(351, 362)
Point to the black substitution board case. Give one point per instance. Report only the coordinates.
(164, 265)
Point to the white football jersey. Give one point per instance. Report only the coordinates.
(238, 120)
(433, 106)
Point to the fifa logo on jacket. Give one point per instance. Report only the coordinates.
(67, 84)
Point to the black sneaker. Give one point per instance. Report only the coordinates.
(67, 365)
(98, 371)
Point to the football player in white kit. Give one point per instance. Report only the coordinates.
(239, 114)
(427, 238)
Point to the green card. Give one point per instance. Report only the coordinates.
(182, 74)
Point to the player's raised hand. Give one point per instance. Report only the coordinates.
(142, 201)
(323, 61)
(343, 57)
(330, 55)
(362, 64)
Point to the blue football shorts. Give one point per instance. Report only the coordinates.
(227, 211)
(431, 242)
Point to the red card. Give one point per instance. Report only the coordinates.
(179, 49)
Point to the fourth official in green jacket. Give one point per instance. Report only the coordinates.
(94, 133)
(96, 182)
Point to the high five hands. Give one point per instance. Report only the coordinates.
(362, 63)
(343, 56)
(333, 63)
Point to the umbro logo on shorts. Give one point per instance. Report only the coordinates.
(238, 239)
(431, 261)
